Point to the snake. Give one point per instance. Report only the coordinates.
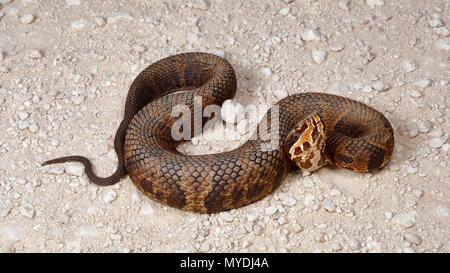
(312, 130)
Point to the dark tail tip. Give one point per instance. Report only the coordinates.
(93, 178)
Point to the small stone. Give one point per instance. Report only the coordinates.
(437, 142)
(2, 55)
(4, 69)
(73, 2)
(266, 71)
(258, 229)
(204, 247)
(415, 94)
(78, 99)
(27, 19)
(388, 215)
(109, 196)
(412, 238)
(226, 216)
(367, 89)
(271, 210)
(23, 115)
(99, 21)
(311, 34)
(35, 54)
(329, 205)
(381, 86)
(413, 132)
(34, 128)
(418, 193)
(23, 124)
(79, 24)
(282, 220)
(27, 212)
(442, 31)
(288, 200)
(423, 83)
(424, 126)
(344, 4)
(443, 43)
(146, 210)
(335, 192)
(435, 21)
(394, 167)
(200, 4)
(319, 56)
(285, 11)
(354, 244)
(75, 169)
(117, 16)
(409, 66)
(373, 3)
(217, 52)
(337, 48)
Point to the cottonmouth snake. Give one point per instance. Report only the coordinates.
(314, 129)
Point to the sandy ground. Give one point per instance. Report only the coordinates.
(65, 67)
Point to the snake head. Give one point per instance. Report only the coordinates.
(305, 143)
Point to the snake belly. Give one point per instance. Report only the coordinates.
(358, 138)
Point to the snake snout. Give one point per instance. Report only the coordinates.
(305, 144)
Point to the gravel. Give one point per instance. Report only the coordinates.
(65, 70)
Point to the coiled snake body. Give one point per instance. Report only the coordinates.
(314, 129)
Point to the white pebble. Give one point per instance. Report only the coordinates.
(271, 210)
(27, 19)
(27, 212)
(423, 83)
(437, 142)
(288, 200)
(23, 115)
(367, 89)
(443, 43)
(344, 4)
(381, 86)
(258, 229)
(54, 142)
(409, 66)
(435, 22)
(35, 54)
(73, 2)
(413, 132)
(329, 205)
(78, 99)
(99, 21)
(415, 94)
(109, 196)
(442, 31)
(79, 24)
(412, 238)
(23, 124)
(34, 128)
(200, 4)
(146, 210)
(266, 71)
(319, 56)
(373, 3)
(117, 16)
(226, 216)
(311, 34)
(204, 247)
(282, 220)
(217, 52)
(75, 169)
(284, 11)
